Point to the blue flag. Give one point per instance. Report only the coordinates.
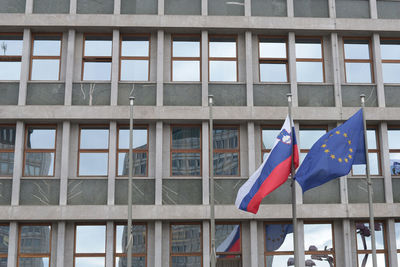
(333, 154)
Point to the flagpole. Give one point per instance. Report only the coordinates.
(371, 208)
(212, 206)
(294, 210)
(129, 239)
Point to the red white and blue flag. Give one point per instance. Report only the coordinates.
(231, 242)
(272, 173)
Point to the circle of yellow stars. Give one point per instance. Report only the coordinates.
(347, 156)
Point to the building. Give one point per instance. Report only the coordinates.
(67, 68)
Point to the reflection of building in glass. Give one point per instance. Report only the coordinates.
(4, 240)
(186, 245)
(139, 162)
(138, 245)
(37, 164)
(226, 163)
(7, 141)
(34, 240)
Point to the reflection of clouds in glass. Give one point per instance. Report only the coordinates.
(186, 71)
(380, 260)
(309, 72)
(273, 72)
(45, 69)
(90, 239)
(186, 49)
(97, 71)
(10, 47)
(135, 48)
(46, 47)
(389, 51)
(309, 137)
(42, 138)
(277, 260)
(10, 70)
(397, 227)
(272, 50)
(134, 70)
(394, 139)
(223, 71)
(98, 48)
(94, 138)
(222, 49)
(378, 237)
(358, 72)
(356, 51)
(319, 235)
(93, 164)
(269, 138)
(139, 138)
(308, 50)
(391, 73)
(90, 262)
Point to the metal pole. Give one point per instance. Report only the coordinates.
(294, 210)
(212, 207)
(129, 228)
(371, 208)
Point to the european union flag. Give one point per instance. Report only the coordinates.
(333, 154)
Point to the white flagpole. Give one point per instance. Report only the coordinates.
(212, 204)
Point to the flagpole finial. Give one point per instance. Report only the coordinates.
(289, 97)
(210, 99)
(362, 96)
(131, 99)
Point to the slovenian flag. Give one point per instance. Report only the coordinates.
(272, 173)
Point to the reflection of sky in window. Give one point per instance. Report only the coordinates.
(287, 244)
(379, 257)
(45, 69)
(358, 73)
(319, 235)
(90, 262)
(273, 72)
(10, 47)
(390, 51)
(135, 48)
(97, 71)
(373, 166)
(397, 230)
(277, 260)
(391, 72)
(308, 50)
(94, 139)
(90, 239)
(356, 51)
(139, 138)
(378, 236)
(272, 50)
(269, 138)
(134, 70)
(222, 49)
(223, 71)
(29, 261)
(309, 72)
(97, 48)
(46, 47)
(319, 263)
(394, 139)
(93, 164)
(186, 71)
(42, 138)
(10, 70)
(309, 137)
(186, 49)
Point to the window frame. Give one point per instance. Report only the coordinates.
(199, 150)
(240, 238)
(95, 58)
(310, 127)
(124, 254)
(12, 58)
(34, 255)
(235, 59)
(173, 58)
(267, 127)
(267, 60)
(9, 150)
(226, 150)
(121, 57)
(32, 57)
(322, 59)
(393, 150)
(273, 253)
(124, 150)
(370, 60)
(5, 255)
(40, 150)
(90, 255)
(93, 150)
(395, 61)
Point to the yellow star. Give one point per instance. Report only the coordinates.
(332, 156)
(345, 134)
(350, 149)
(326, 150)
(349, 142)
(337, 132)
(324, 145)
(350, 157)
(346, 160)
(340, 159)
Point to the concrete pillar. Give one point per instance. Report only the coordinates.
(160, 7)
(251, 147)
(206, 163)
(299, 191)
(66, 132)
(300, 243)
(72, 6)
(332, 8)
(247, 8)
(290, 8)
(109, 244)
(158, 163)
(373, 9)
(25, 62)
(391, 242)
(204, 67)
(206, 244)
(69, 72)
(292, 67)
(249, 67)
(115, 68)
(60, 244)
(204, 7)
(12, 245)
(117, 7)
(253, 243)
(376, 51)
(160, 66)
(28, 6)
(158, 244)
(112, 152)
(346, 247)
(336, 69)
(385, 162)
(18, 162)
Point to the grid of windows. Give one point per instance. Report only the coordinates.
(394, 150)
(226, 150)
(34, 245)
(222, 57)
(96, 61)
(90, 245)
(139, 245)
(309, 59)
(10, 56)
(390, 53)
(186, 58)
(273, 59)
(228, 243)
(7, 146)
(135, 57)
(186, 244)
(358, 60)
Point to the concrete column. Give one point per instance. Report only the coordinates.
(376, 48)
(18, 162)
(346, 247)
(66, 132)
(115, 68)
(206, 163)
(253, 243)
(25, 62)
(117, 7)
(160, 10)
(385, 162)
(158, 164)
(290, 8)
(204, 7)
(28, 6)
(249, 67)
(373, 9)
(251, 147)
(60, 244)
(112, 163)
(292, 67)
(247, 8)
(72, 6)
(69, 72)
(206, 244)
(12, 245)
(391, 241)
(332, 8)
(204, 67)
(300, 243)
(158, 244)
(299, 191)
(109, 244)
(336, 69)
(160, 65)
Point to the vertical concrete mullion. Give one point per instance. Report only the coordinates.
(69, 72)
(65, 162)
(206, 244)
(117, 7)
(247, 8)
(25, 60)
(385, 161)
(391, 241)
(253, 244)
(115, 68)
(251, 148)
(158, 237)
(300, 243)
(112, 163)
(380, 90)
(160, 10)
(28, 6)
(160, 67)
(109, 244)
(12, 245)
(60, 244)
(206, 163)
(249, 68)
(332, 8)
(336, 70)
(18, 162)
(204, 68)
(290, 8)
(373, 9)
(346, 246)
(204, 7)
(158, 164)
(299, 191)
(292, 67)
(72, 6)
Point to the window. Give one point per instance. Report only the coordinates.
(222, 56)
(394, 150)
(139, 246)
(34, 247)
(7, 145)
(357, 60)
(97, 51)
(268, 138)
(186, 62)
(318, 244)
(186, 244)
(309, 60)
(228, 243)
(46, 57)
(373, 153)
(40, 150)
(90, 245)
(135, 57)
(364, 250)
(10, 56)
(278, 244)
(4, 237)
(140, 151)
(273, 59)
(390, 51)
(226, 151)
(397, 232)
(93, 151)
(185, 151)
(308, 136)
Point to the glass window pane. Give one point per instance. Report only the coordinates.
(183, 261)
(39, 164)
(323, 260)
(309, 137)
(390, 51)
(371, 137)
(45, 69)
(46, 47)
(186, 71)
(98, 48)
(94, 139)
(379, 257)
(136, 262)
(7, 137)
(139, 164)
(279, 237)
(132, 48)
(186, 48)
(35, 239)
(272, 50)
(222, 49)
(134, 70)
(363, 233)
(395, 163)
(185, 238)
(373, 166)
(93, 164)
(90, 239)
(310, 72)
(6, 163)
(186, 138)
(308, 50)
(223, 71)
(397, 229)
(9, 70)
(99, 71)
(90, 262)
(279, 260)
(318, 237)
(186, 164)
(394, 139)
(139, 238)
(272, 72)
(269, 138)
(391, 72)
(10, 47)
(226, 138)
(227, 238)
(139, 139)
(29, 262)
(41, 138)
(226, 164)
(356, 51)
(358, 72)
(4, 237)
